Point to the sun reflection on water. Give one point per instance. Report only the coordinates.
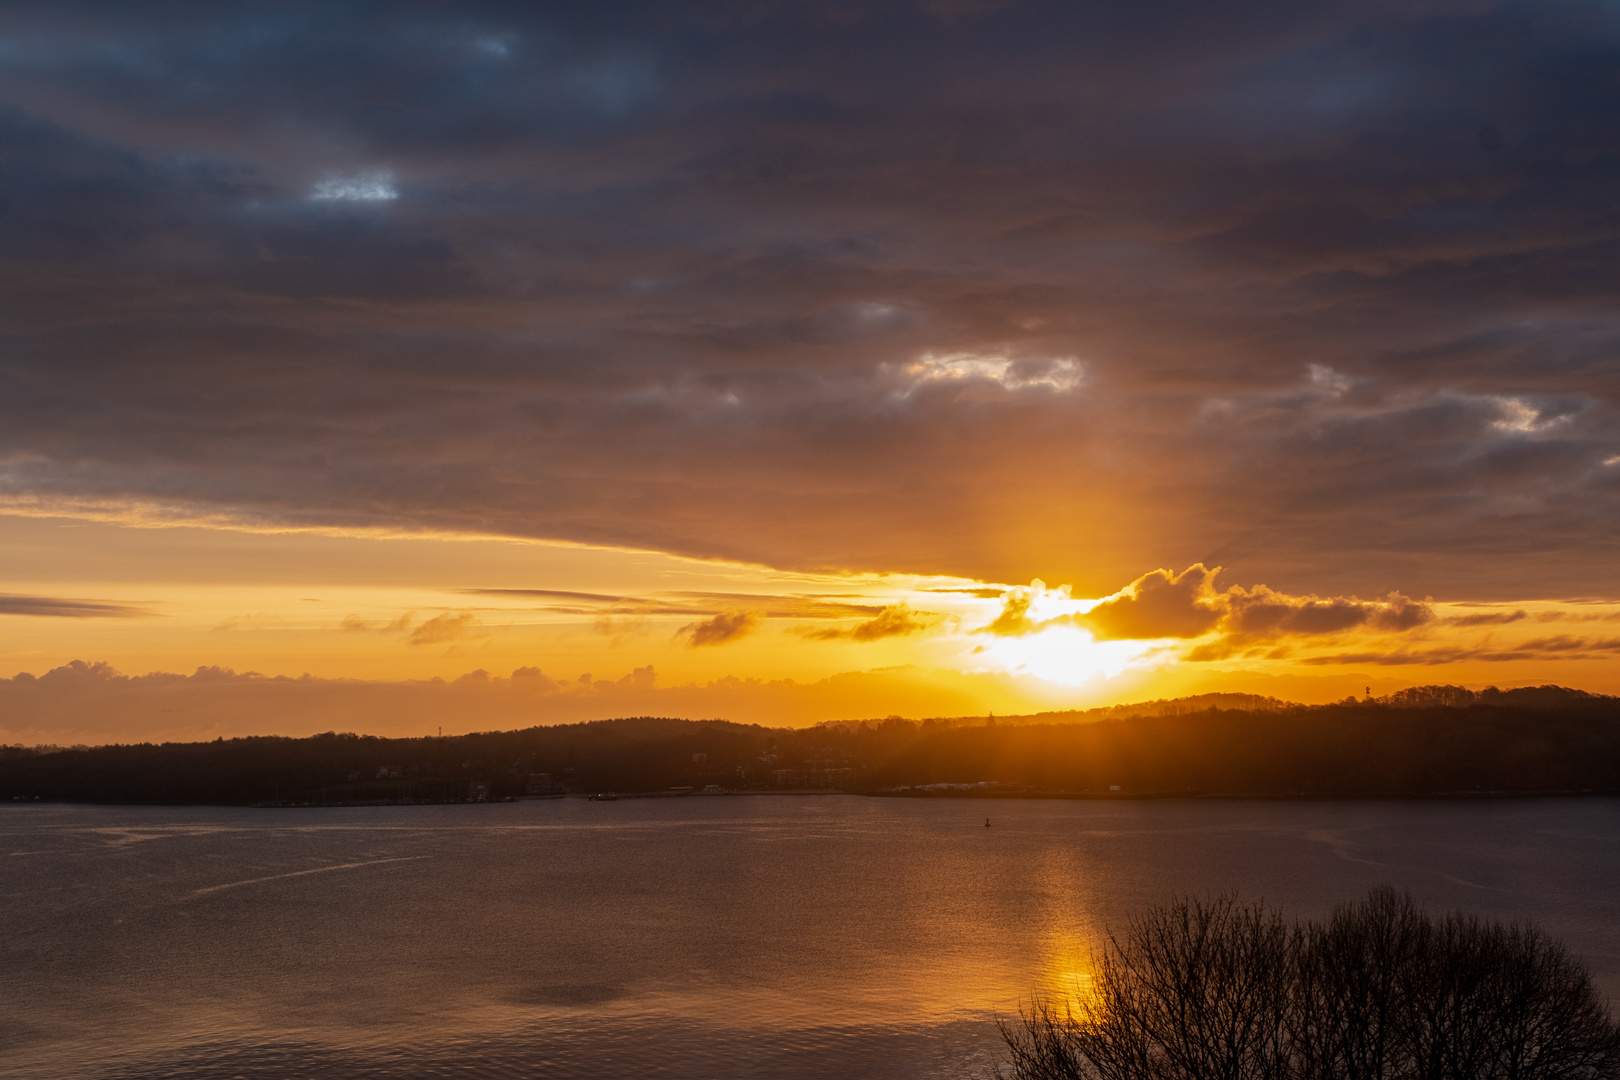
(1066, 965)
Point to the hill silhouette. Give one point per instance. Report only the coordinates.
(1435, 740)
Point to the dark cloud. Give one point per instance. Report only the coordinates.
(1163, 604)
(1557, 647)
(1490, 618)
(440, 629)
(724, 627)
(66, 609)
(551, 594)
(784, 607)
(1567, 616)
(1321, 293)
(897, 620)
(691, 603)
(1159, 605)
(1013, 620)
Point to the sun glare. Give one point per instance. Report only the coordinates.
(1063, 654)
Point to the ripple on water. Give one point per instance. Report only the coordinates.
(718, 938)
(673, 1051)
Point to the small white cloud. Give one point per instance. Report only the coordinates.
(615, 85)
(1061, 374)
(1327, 381)
(371, 187)
(876, 311)
(1612, 460)
(1520, 416)
(499, 45)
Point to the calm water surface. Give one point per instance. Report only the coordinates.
(748, 936)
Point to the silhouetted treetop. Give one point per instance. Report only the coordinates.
(1218, 990)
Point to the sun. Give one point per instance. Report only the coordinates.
(1062, 654)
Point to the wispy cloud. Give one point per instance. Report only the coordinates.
(898, 620)
(691, 602)
(444, 628)
(1060, 374)
(56, 607)
(1488, 618)
(726, 627)
(366, 187)
(552, 594)
(1557, 647)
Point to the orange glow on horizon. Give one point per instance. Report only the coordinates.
(573, 632)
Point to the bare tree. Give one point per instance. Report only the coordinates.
(1504, 1003)
(1196, 991)
(1348, 1014)
(1216, 990)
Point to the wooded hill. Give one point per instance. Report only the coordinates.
(1427, 741)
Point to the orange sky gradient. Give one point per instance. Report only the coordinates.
(797, 362)
(299, 632)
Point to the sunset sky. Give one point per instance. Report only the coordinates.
(384, 367)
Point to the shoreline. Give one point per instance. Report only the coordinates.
(1034, 796)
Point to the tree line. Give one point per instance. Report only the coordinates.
(1542, 740)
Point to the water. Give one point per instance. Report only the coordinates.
(686, 938)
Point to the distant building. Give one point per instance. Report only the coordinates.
(700, 759)
(478, 791)
(540, 783)
(812, 778)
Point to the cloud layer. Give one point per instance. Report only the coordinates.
(1323, 294)
(1165, 605)
(94, 703)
